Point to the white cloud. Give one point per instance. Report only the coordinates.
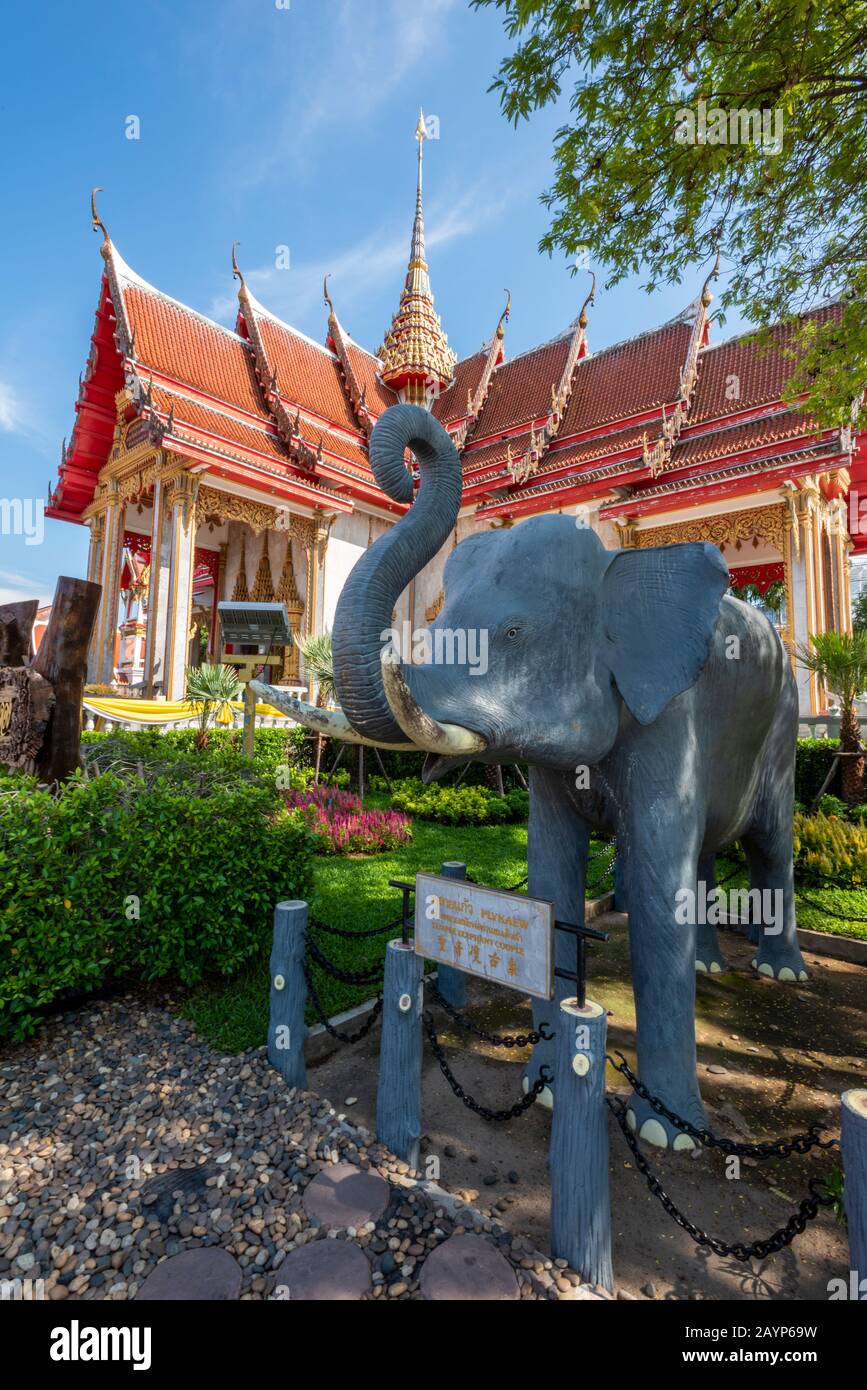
(370, 53)
(19, 416)
(14, 588)
(10, 409)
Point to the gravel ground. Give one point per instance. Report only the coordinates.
(125, 1139)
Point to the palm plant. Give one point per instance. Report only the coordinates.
(839, 660)
(319, 664)
(211, 687)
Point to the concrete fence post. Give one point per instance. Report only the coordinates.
(286, 1027)
(580, 1199)
(451, 983)
(398, 1097)
(853, 1150)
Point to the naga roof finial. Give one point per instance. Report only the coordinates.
(236, 271)
(706, 295)
(591, 299)
(327, 297)
(504, 316)
(97, 223)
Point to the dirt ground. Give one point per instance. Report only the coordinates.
(788, 1052)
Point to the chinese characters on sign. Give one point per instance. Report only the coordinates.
(500, 936)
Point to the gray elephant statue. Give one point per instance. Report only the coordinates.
(648, 703)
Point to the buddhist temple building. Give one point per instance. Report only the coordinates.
(212, 463)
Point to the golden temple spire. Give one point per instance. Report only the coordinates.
(417, 361)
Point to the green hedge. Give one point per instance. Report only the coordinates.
(812, 760)
(120, 878)
(272, 748)
(459, 805)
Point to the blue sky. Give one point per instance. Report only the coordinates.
(273, 126)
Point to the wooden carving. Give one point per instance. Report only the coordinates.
(26, 702)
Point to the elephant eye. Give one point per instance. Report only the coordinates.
(511, 632)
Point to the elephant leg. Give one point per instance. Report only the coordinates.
(768, 847)
(709, 959)
(661, 853)
(557, 843)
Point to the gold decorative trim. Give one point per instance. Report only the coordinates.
(627, 532)
(212, 502)
(728, 528)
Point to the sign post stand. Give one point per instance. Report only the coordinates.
(451, 983)
(580, 1199)
(286, 1027)
(398, 1097)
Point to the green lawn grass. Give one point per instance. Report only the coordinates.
(352, 892)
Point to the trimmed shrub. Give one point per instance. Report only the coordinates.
(116, 879)
(460, 805)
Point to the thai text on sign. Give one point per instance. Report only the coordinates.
(501, 936)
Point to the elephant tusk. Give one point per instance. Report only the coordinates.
(327, 722)
(425, 731)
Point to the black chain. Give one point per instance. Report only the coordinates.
(468, 878)
(777, 1148)
(498, 1039)
(319, 1010)
(348, 977)
(513, 1111)
(355, 935)
(760, 1249)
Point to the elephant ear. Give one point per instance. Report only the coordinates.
(659, 610)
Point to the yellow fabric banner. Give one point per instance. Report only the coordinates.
(166, 711)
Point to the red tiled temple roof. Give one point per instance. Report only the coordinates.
(770, 430)
(307, 375)
(741, 374)
(269, 398)
(598, 446)
(196, 421)
(452, 404)
(520, 390)
(629, 379)
(177, 343)
(366, 368)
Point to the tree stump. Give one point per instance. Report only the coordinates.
(40, 698)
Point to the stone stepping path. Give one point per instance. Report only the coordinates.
(207, 1274)
(344, 1195)
(330, 1270)
(467, 1267)
(158, 1196)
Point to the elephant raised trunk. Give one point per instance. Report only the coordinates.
(365, 608)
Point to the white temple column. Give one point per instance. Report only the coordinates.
(158, 592)
(107, 617)
(96, 525)
(183, 546)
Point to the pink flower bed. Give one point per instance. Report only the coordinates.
(342, 827)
